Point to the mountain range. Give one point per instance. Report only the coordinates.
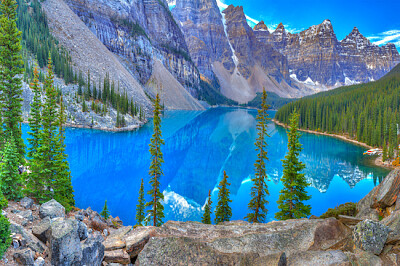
(196, 52)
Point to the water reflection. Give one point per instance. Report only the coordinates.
(198, 147)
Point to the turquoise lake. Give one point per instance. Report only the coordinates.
(198, 147)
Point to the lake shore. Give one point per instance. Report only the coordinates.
(378, 161)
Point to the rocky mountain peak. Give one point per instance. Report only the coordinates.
(261, 26)
(280, 28)
(356, 39)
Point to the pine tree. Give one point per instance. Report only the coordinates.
(206, 219)
(156, 211)
(62, 185)
(294, 193)
(384, 152)
(11, 181)
(5, 239)
(223, 212)
(140, 211)
(259, 190)
(35, 121)
(11, 68)
(105, 212)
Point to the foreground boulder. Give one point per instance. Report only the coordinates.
(370, 236)
(27, 238)
(178, 243)
(93, 250)
(24, 257)
(51, 209)
(64, 242)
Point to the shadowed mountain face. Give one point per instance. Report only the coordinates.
(198, 147)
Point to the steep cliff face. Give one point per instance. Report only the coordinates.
(140, 32)
(317, 58)
(225, 47)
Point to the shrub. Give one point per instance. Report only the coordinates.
(349, 209)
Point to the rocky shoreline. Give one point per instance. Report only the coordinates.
(46, 235)
(378, 161)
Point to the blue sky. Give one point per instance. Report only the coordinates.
(377, 20)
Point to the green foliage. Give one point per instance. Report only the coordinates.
(50, 175)
(209, 93)
(365, 112)
(156, 211)
(348, 209)
(105, 213)
(133, 28)
(294, 192)
(223, 211)
(206, 219)
(11, 181)
(11, 68)
(35, 118)
(274, 101)
(5, 239)
(259, 190)
(37, 39)
(140, 214)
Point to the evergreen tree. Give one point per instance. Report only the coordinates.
(10, 178)
(223, 212)
(384, 152)
(62, 187)
(5, 239)
(35, 121)
(140, 211)
(259, 190)
(206, 219)
(294, 182)
(156, 211)
(11, 68)
(105, 212)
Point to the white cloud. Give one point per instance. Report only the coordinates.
(383, 38)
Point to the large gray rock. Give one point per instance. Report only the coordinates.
(26, 203)
(195, 243)
(24, 257)
(93, 250)
(364, 207)
(26, 215)
(393, 222)
(138, 238)
(28, 238)
(386, 194)
(370, 236)
(321, 258)
(82, 230)
(64, 242)
(41, 228)
(51, 209)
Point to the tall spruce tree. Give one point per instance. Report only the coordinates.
(259, 190)
(11, 180)
(11, 68)
(140, 210)
(294, 192)
(63, 190)
(156, 211)
(206, 219)
(223, 211)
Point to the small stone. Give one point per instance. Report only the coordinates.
(26, 203)
(370, 236)
(3, 213)
(24, 257)
(117, 256)
(39, 261)
(15, 211)
(51, 209)
(82, 230)
(79, 217)
(26, 215)
(15, 243)
(105, 232)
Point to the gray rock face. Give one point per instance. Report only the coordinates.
(41, 229)
(51, 209)
(93, 250)
(64, 242)
(311, 258)
(82, 230)
(29, 239)
(195, 243)
(26, 203)
(24, 257)
(26, 215)
(370, 236)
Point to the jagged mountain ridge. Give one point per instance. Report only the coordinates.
(317, 57)
(298, 65)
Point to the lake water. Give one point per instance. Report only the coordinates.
(198, 147)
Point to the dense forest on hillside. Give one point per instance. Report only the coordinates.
(273, 100)
(366, 112)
